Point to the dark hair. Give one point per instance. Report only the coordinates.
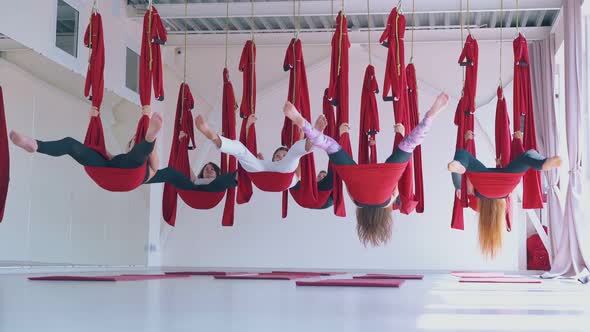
(374, 225)
(322, 171)
(215, 167)
(281, 148)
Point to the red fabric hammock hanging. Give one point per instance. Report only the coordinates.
(414, 120)
(523, 106)
(464, 119)
(299, 96)
(228, 129)
(503, 145)
(369, 124)
(179, 160)
(248, 106)
(108, 178)
(395, 80)
(4, 158)
(328, 111)
(150, 59)
(338, 94)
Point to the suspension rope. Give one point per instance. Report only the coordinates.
(413, 28)
(517, 18)
(149, 37)
(462, 42)
(184, 66)
(252, 19)
(369, 30)
(501, 37)
(468, 19)
(252, 57)
(226, 28)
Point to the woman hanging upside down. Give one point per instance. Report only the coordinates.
(372, 187)
(86, 156)
(282, 167)
(492, 196)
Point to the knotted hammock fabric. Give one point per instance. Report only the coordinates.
(247, 107)
(4, 158)
(228, 129)
(338, 94)
(94, 40)
(523, 107)
(464, 119)
(328, 111)
(503, 145)
(179, 160)
(369, 124)
(150, 59)
(108, 178)
(396, 80)
(414, 120)
(298, 95)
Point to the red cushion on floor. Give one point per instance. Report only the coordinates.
(199, 273)
(504, 280)
(306, 273)
(268, 276)
(391, 276)
(353, 283)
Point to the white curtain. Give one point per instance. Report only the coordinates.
(573, 254)
(542, 75)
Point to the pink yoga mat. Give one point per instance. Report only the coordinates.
(391, 276)
(123, 277)
(507, 280)
(478, 274)
(353, 283)
(304, 273)
(204, 273)
(269, 276)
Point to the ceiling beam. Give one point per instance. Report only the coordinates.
(356, 37)
(540, 18)
(319, 8)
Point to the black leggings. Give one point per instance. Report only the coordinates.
(180, 181)
(342, 158)
(88, 157)
(530, 159)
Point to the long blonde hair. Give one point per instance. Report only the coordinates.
(374, 225)
(492, 216)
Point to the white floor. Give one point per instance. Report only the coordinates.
(437, 303)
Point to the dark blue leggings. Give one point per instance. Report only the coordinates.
(342, 158)
(180, 181)
(530, 159)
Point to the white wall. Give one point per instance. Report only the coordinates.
(54, 212)
(317, 239)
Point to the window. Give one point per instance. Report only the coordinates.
(132, 70)
(67, 28)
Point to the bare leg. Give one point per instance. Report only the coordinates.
(203, 127)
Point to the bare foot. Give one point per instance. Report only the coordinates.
(291, 112)
(456, 167)
(154, 128)
(400, 129)
(321, 123)
(203, 127)
(439, 105)
(24, 142)
(469, 135)
(518, 135)
(551, 163)
(344, 128)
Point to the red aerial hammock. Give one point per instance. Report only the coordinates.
(4, 158)
(503, 145)
(150, 60)
(523, 107)
(369, 126)
(338, 95)
(298, 95)
(464, 119)
(247, 107)
(179, 160)
(414, 120)
(108, 178)
(396, 80)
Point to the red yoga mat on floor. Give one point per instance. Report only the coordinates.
(391, 276)
(478, 274)
(353, 283)
(204, 273)
(504, 280)
(304, 273)
(262, 277)
(123, 277)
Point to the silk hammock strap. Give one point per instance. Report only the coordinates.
(150, 59)
(4, 158)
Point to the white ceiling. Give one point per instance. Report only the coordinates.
(206, 19)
